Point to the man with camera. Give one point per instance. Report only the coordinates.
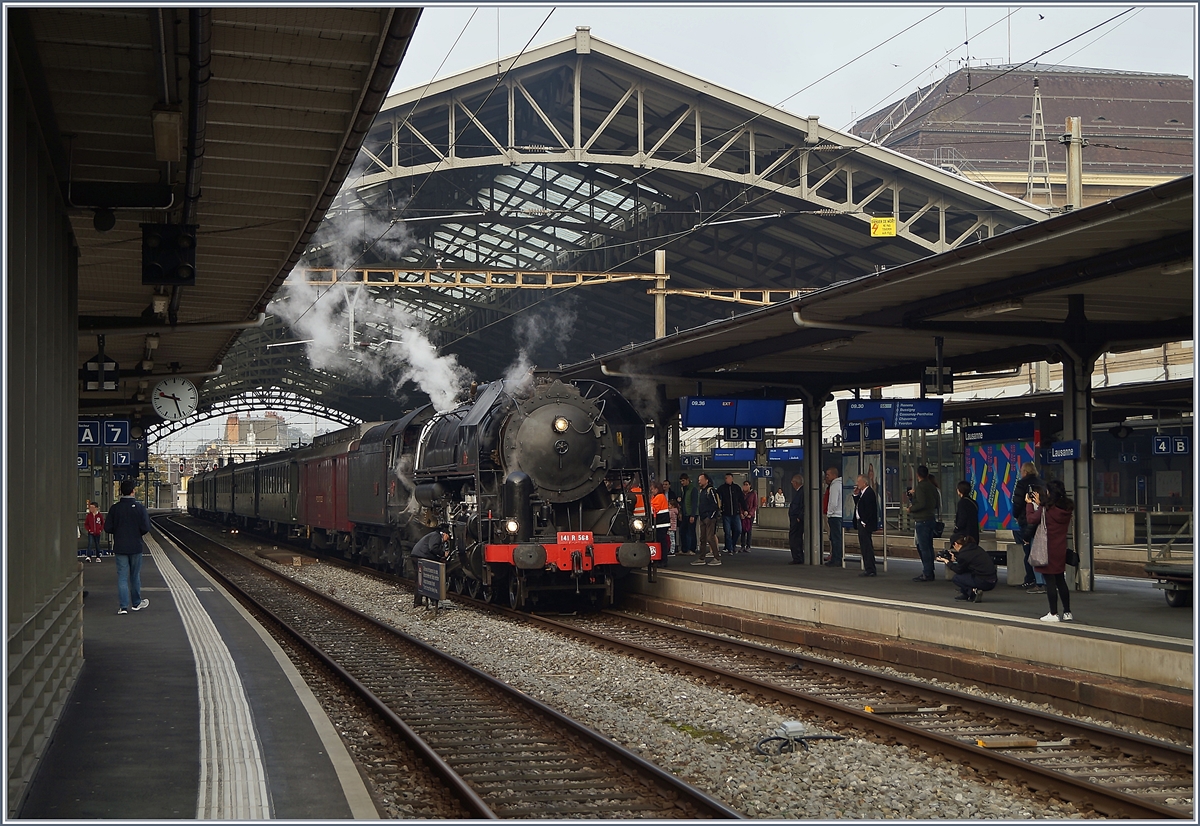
(974, 570)
(923, 507)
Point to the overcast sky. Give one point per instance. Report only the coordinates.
(775, 52)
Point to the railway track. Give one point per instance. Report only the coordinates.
(1117, 774)
(502, 753)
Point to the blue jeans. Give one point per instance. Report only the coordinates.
(1030, 574)
(129, 579)
(687, 534)
(93, 544)
(835, 539)
(733, 529)
(924, 534)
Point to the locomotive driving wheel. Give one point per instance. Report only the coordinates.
(516, 593)
(473, 588)
(459, 583)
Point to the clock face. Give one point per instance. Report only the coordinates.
(175, 398)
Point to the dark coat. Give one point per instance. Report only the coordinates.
(966, 517)
(796, 508)
(430, 546)
(128, 521)
(709, 507)
(1024, 485)
(973, 559)
(731, 499)
(866, 509)
(1056, 523)
(924, 500)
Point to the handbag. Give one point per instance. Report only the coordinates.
(1040, 553)
(1072, 557)
(939, 527)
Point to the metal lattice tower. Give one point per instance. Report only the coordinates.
(1038, 183)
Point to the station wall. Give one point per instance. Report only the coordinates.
(44, 581)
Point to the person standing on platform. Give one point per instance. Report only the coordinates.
(661, 509)
(673, 534)
(430, 546)
(924, 501)
(866, 520)
(974, 570)
(1023, 532)
(730, 497)
(833, 515)
(779, 500)
(749, 511)
(689, 510)
(128, 521)
(93, 523)
(796, 521)
(1053, 510)
(966, 515)
(706, 521)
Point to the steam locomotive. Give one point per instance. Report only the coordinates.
(541, 485)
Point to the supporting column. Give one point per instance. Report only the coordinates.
(660, 298)
(1078, 362)
(662, 419)
(814, 405)
(1077, 474)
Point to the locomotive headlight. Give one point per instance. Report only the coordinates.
(638, 525)
(561, 424)
(511, 525)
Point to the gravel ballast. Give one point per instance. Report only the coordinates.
(705, 735)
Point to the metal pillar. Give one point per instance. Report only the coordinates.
(1077, 401)
(1075, 143)
(660, 297)
(814, 404)
(661, 429)
(1078, 362)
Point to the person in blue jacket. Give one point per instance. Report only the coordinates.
(127, 522)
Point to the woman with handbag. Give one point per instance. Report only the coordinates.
(1051, 511)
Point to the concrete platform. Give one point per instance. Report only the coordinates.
(189, 710)
(1123, 630)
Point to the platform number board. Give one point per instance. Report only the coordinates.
(1167, 445)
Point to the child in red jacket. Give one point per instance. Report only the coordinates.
(94, 523)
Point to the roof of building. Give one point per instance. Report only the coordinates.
(1114, 274)
(1134, 122)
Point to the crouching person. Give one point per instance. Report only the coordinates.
(433, 545)
(974, 570)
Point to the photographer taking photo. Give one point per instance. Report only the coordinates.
(974, 570)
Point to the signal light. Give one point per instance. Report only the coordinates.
(169, 255)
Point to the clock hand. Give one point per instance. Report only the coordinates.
(177, 410)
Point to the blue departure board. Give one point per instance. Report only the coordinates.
(785, 454)
(897, 414)
(733, 454)
(706, 411)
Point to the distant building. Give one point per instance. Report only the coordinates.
(976, 123)
(247, 439)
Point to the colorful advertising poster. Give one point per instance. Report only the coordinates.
(993, 469)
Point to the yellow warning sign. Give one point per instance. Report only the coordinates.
(883, 227)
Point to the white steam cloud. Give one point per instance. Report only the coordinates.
(554, 326)
(353, 335)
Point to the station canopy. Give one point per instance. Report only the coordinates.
(242, 121)
(1117, 275)
(580, 156)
